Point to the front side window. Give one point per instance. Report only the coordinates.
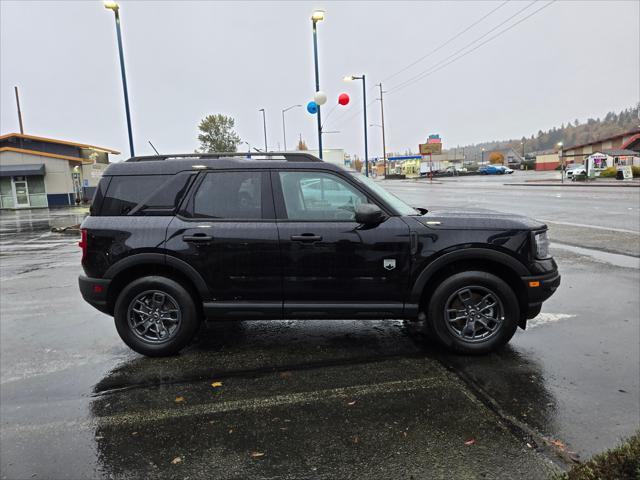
(319, 196)
(229, 195)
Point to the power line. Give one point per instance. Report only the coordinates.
(442, 45)
(439, 66)
(471, 43)
(342, 117)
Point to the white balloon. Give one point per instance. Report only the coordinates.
(320, 98)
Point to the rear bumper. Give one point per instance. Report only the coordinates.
(539, 288)
(94, 291)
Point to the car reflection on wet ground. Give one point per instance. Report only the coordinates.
(303, 399)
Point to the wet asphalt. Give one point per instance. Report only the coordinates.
(310, 399)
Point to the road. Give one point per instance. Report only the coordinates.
(307, 399)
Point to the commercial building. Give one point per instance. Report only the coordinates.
(38, 172)
(629, 141)
(546, 159)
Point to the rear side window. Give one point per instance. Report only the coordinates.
(127, 195)
(229, 195)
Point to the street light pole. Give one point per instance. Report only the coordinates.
(116, 10)
(264, 127)
(561, 159)
(482, 159)
(316, 17)
(364, 101)
(284, 129)
(384, 144)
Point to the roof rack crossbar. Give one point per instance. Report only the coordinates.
(288, 156)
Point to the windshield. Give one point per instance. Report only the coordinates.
(390, 199)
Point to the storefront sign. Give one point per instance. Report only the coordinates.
(627, 172)
(430, 148)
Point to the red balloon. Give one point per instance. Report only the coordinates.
(343, 99)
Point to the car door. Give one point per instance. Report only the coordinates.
(226, 230)
(332, 266)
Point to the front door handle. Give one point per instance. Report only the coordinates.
(197, 238)
(306, 237)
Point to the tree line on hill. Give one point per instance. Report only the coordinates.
(571, 133)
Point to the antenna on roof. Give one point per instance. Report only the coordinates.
(19, 111)
(154, 148)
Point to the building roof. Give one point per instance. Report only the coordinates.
(621, 152)
(600, 140)
(61, 142)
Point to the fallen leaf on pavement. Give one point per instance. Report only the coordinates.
(231, 430)
(558, 444)
(256, 454)
(216, 384)
(471, 441)
(351, 403)
(285, 374)
(176, 460)
(134, 433)
(355, 439)
(179, 399)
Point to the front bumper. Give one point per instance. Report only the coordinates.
(94, 291)
(539, 288)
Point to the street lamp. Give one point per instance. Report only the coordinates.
(116, 10)
(482, 158)
(561, 159)
(350, 78)
(284, 130)
(264, 127)
(317, 16)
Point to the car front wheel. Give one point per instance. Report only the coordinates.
(156, 316)
(473, 312)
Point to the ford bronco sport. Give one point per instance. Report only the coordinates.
(172, 240)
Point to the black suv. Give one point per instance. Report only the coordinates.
(172, 240)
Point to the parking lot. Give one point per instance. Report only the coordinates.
(334, 399)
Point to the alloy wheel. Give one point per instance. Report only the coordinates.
(474, 314)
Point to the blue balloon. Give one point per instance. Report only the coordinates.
(312, 108)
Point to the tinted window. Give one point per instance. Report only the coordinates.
(168, 196)
(319, 196)
(236, 195)
(126, 192)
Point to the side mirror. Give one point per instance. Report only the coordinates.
(369, 214)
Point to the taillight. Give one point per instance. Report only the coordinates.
(83, 243)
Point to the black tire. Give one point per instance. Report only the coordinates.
(477, 283)
(187, 313)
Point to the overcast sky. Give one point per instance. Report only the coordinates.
(188, 59)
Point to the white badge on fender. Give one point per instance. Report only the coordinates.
(389, 263)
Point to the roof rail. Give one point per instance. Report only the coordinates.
(288, 156)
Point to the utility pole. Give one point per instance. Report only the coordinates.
(384, 144)
(19, 111)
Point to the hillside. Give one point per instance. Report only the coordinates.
(571, 133)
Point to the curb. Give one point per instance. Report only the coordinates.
(601, 185)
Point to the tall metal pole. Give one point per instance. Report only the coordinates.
(315, 58)
(366, 145)
(19, 111)
(384, 143)
(124, 81)
(284, 132)
(264, 127)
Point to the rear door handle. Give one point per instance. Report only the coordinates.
(306, 237)
(197, 238)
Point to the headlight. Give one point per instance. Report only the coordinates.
(542, 245)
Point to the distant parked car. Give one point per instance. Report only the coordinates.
(508, 170)
(575, 170)
(451, 170)
(492, 170)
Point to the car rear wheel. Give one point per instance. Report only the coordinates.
(473, 312)
(156, 316)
